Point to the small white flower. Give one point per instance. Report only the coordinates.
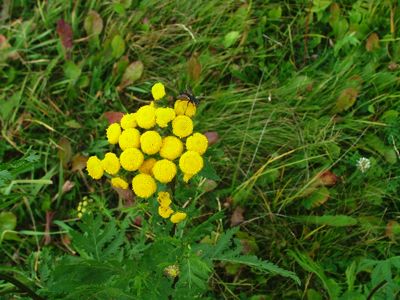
(363, 164)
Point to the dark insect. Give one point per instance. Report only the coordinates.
(189, 96)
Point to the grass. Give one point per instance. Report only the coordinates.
(278, 81)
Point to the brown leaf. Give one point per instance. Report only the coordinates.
(67, 186)
(113, 116)
(392, 229)
(132, 73)
(237, 216)
(212, 137)
(194, 67)
(372, 42)
(93, 23)
(64, 151)
(126, 195)
(209, 185)
(327, 178)
(346, 99)
(64, 31)
(78, 162)
(4, 45)
(49, 219)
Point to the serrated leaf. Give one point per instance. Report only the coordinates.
(118, 46)
(93, 23)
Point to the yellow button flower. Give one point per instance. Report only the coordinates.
(147, 166)
(182, 126)
(165, 212)
(113, 133)
(129, 138)
(131, 159)
(94, 167)
(187, 177)
(164, 115)
(110, 163)
(146, 116)
(144, 185)
(158, 91)
(150, 142)
(164, 199)
(164, 170)
(171, 148)
(191, 162)
(128, 121)
(184, 107)
(197, 142)
(178, 217)
(120, 183)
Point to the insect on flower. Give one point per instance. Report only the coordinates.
(189, 96)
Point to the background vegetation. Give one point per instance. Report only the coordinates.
(298, 91)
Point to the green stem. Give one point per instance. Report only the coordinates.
(22, 287)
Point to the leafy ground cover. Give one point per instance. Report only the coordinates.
(298, 92)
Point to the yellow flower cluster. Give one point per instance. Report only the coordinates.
(156, 143)
(165, 210)
(83, 207)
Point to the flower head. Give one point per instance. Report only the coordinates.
(113, 133)
(182, 126)
(129, 138)
(171, 147)
(197, 142)
(363, 164)
(178, 217)
(144, 185)
(118, 182)
(185, 107)
(191, 162)
(110, 163)
(94, 167)
(131, 159)
(172, 271)
(128, 121)
(146, 116)
(164, 199)
(164, 115)
(150, 142)
(147, 166)
(158, 91)
(165, 212)
(164, 170)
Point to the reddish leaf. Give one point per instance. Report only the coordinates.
(212, 137)
(113, 116)
(237, 216)
(126, 195)
(346, 99)
(64, 31)
(327, 178)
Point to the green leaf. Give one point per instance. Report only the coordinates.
(118, 46)
(346, 99)
(93, 23)
(317, 198)
(8, 221)
(73, 124)
(336, 220)
(275, 12)
(231, 38)
(72, 71)
(132, 73)
(208, 171)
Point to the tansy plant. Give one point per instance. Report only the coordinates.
(153, 146)
(139, 255)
